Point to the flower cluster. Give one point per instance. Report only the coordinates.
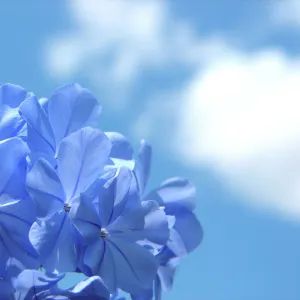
(72, 199)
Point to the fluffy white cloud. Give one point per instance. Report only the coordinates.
(115, 41)
(240, 117)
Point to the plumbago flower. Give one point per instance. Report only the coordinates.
(111, 219)
(25, 284)
(177, 198)
(16, 213)
(69, 109)
(72, 198)
(80, 160)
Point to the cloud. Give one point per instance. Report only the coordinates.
(239, 116)
(113, 42)
(285, 12)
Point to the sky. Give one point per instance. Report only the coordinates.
(214, 87)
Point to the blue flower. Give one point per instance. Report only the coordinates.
(111, 219)
(177, 196)
(26, 284)
(11, 123)
(80, 160)
(69, 109)
(121, 154)
(17, 212)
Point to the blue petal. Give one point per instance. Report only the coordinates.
(175, 193)
(55, 240)
(156, 223)
(45, 188)
(42, 139)
(136, 266)
(11, 123)
(12, 95)
(146, 295)
(166, 274)
(121, 153)
(39, 147)
(70, 108)
(13, 154)
(33, 284)
(146, 222)
(143, 164)
(85, 218)
(81, 159)
(92, 288)
(93, 258)
(186, 235)
(15, 223)
(114, 196)
(17, 216)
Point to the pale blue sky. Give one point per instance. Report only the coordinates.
(248, 252)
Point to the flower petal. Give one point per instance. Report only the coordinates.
(92, 288)
(114, 195)
(175, 193)
(16, 217)
(84, 216)
(13, 166)
(81, 158)
(12, 95)
(70, 108)
(136, 266)
(94, 256)
(121, 153)
(156, 223)
(142, 165)
(54, 240)
(36, 117)
(45, 188)
(186, 235)
(11, 123)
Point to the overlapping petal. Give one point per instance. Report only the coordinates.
(11, 96)
(45, 188)
(27, 284)
(13, 169)
(174, 194)
(81, 159)
(143, 165)
(114, 255)
(83, 207)
(16, 218)
(71, 108)
(55, 241)
(121, 153)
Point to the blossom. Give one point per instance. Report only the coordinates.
(26, 284)
(16, 211)
(11, 123)
(80, 160)
(72, 198)
(68, 109)
(111, 219)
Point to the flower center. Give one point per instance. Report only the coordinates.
(67, 207)
(104, 233)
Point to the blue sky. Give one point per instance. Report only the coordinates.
(213, 85)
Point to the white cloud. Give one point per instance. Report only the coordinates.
(240, 116)
(285, 12)
(113, 42)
